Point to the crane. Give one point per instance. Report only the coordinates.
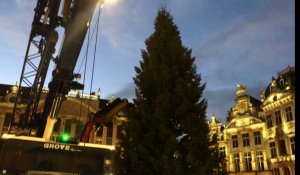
(76, 15)
(39, 155)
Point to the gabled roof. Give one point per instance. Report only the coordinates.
(285, 78)
(110, 108)
(253, 101)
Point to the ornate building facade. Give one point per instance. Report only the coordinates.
(259, 135)
(73, 115)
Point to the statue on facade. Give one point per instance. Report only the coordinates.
(241, 89)
(262, 94)
(281, 81)
(99, 93)
(273, 86)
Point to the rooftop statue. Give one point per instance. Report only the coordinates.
(241, 89)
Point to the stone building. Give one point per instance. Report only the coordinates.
(278, 105)
(74, 114)
(259, 135)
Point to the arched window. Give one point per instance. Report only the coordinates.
(286, 171)
(237, 162)
(248, 164)
(260, 161)
(276, 171)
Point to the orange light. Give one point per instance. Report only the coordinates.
(107, 162)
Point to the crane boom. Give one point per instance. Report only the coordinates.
(76, 15)
(62, 80)
(41, 46)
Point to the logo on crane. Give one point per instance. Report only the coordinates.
(63, 147)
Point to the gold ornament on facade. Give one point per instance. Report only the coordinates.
(241, 89)
(273, 87)
(14, 89)
(262, 94)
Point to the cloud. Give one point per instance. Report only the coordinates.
(15, 18)
(123, 26)
(127, 91)
(183, 7)
(249, 32)
(248, 51)
(220, 101)
(11, 23)
(126, 26)
(249, 47)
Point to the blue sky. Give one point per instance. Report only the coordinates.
(234, 41)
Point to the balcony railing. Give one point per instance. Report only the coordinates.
(284, 158)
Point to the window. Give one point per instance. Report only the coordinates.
(278, 118)
(72, 126)
(286, 171)
(260, 161)
(237, 162)
(68, 125)
(288, 114)
(7, 119)
(222, 150)
(224, 166)
(109, 131)
(1, 123)
(273, 150)
(276, 171)
(235, 142)
(292, 141)
(246, 141)
(282, 148)
(222, 137)
(257, 138)
(248, 164)
(269, 121)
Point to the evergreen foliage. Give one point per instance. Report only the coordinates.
(167, 132)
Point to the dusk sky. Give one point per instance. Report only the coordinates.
(233, 41)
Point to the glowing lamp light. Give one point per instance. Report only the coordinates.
(108, 2)
(107, 162)
(101, 2)
(65, 137)
(4, 135)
